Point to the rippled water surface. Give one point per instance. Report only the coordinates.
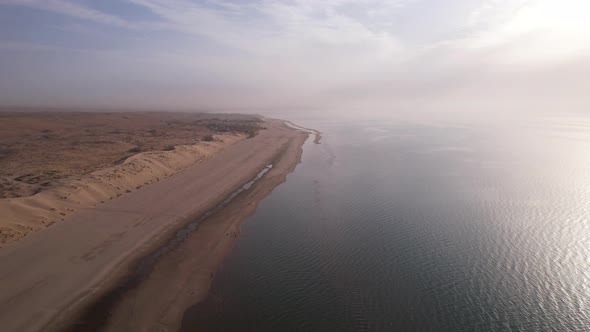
(416, 226)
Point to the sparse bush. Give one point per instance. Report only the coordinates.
(134, 150)
(252, 132)
(208, 138)
(249, 127)
(168, 148)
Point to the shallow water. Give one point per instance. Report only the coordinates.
(417, 226)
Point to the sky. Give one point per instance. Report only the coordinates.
(467, 55)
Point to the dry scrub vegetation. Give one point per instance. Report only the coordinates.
(40, 148)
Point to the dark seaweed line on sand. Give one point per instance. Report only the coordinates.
(95, 317)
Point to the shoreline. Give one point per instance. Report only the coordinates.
(50, 292)
(183, 275)
(317, 134)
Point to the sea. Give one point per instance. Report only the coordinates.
(417, 225)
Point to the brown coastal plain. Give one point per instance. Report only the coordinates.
(55, 163)
(52, 279)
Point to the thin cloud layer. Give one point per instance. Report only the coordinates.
(301, 54)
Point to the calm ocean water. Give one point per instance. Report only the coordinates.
(416, 226)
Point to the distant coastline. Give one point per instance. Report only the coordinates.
(317, 134)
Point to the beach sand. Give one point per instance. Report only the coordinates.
(183, 277)
(54, 275)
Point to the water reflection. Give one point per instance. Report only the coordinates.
(417, 226)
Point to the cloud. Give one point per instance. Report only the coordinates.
(71, 9)
(272, 27)
(533, 31)
(272, 53)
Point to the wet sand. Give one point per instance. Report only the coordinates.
(55, 275)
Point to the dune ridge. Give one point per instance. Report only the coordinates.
(23, 215)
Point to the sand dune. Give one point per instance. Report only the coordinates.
(23, 215)
(54, 163)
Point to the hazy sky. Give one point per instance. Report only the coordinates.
(298, 54)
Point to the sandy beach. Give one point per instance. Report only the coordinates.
(183, 277)
(56, 274)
